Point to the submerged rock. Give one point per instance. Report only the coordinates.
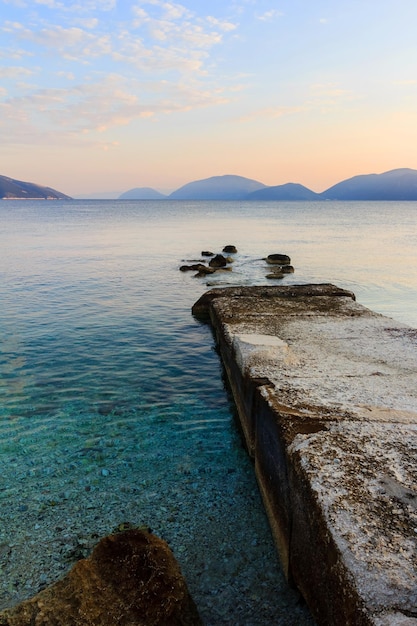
(204, 270)
(218, 270)
(275, 275)
(130, 578)
(279, 271)
(282, 269)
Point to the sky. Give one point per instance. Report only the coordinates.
(108, 95)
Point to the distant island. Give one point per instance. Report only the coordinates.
(12, 189)
(398, 184)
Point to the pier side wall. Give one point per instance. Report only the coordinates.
(327, 437)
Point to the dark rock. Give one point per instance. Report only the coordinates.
(130, 578)
(203, 270)
(207, 253)
(278, 259)
(230, 249)
(196, 267)
(218, 261)
(275, 275)
(287, 269)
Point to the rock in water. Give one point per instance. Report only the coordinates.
(130, 579)
(218, 261)
(278, 259)
(275, 275)
(198, 267)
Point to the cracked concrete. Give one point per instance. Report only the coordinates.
(327, 399)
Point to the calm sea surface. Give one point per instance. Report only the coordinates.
(112, 405)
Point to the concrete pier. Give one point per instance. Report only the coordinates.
(326, 392)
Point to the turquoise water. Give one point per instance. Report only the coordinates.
(112, 404)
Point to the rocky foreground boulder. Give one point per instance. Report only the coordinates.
(130, 579)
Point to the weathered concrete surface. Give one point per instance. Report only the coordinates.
(326, 392)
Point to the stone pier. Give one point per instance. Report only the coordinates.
(326, 393)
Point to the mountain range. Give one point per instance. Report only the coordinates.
(11, 188)
(398, 184)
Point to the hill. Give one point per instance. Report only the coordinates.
(11, 188)
(399, 184)
(227, 187)
(142, 193)
(289, 191)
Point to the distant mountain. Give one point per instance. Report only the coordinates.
(400, 184)
(11, 188)
(142, 193)
(217, 188)
(289, 191)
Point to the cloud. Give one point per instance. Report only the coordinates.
(88, 109)
(274, 112)
(89, 23)
(221, 24)
(72, 43)
(11, 27)
(51, 4)
(169, 10)
(322, 97)
(162, 36)
(168, 37)
(20, 4)
(154, 60)
(67, 75)
(109, 146)
(88, 6)
(14, 53)
(269, 15)
(173, 23)
(329, 95)
(14, 72)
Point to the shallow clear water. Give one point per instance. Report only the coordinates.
(112, 405)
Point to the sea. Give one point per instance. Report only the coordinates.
(114, 410)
